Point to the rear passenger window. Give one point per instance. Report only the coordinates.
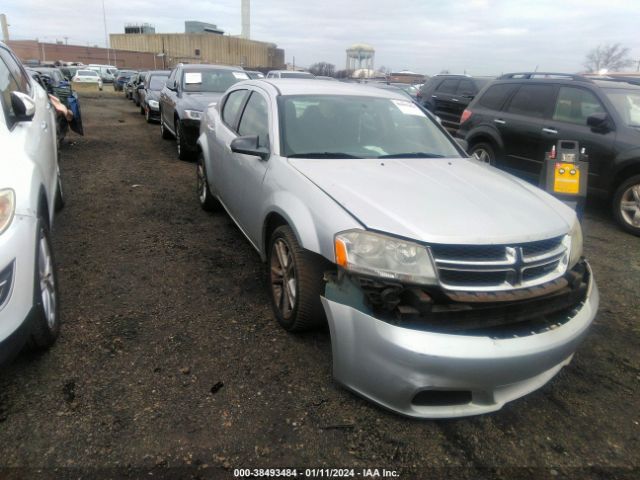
(255, 119)
(532, 100)
(574, 105)
(496, 95)
(232, 107)
(448, 86)
(466, 87)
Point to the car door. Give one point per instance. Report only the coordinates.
(520, 125)
(569, 122)
(38, 135)
(220, 155)
(167, 100)
(246, 172)
(445, 100)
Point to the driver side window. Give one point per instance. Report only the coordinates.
(255, 119)
(8, 84)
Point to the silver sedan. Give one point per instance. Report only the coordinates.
(449, 287)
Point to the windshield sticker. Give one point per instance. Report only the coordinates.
(240, 75)
(408, 108)
(192, 77)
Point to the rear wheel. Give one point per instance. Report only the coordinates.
(295, 282)
(60, 201)
(484, 152)
(626, 205)
(46, 321)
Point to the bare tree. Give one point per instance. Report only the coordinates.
(323, 69)
(612, 57)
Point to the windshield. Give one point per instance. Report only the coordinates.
(86, 73)
(211, 80)
(342, 126)
(156, 82)
(627, 104)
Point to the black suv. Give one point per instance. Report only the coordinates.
(520, 116)
(448, 95)
(186, 94)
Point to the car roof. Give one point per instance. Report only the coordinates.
(299, 86)
(209, 66)
(159, 72)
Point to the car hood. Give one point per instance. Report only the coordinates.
(153, 95)
(456, 200)
(199, 101)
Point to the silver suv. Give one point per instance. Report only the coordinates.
(449, 287)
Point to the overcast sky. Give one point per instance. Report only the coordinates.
(477, 36)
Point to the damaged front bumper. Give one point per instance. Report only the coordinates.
(422, 373)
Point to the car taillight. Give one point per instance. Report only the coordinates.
(466, 115)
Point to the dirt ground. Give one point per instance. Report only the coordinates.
(170, 364)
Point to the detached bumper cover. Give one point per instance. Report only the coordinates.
(390, 365)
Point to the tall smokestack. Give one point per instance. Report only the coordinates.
(5, 27)
(246, 19)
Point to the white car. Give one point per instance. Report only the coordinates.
(30, 192)
(88, 76)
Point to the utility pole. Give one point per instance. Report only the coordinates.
(106, 37)
(66, 40)
(5, 27)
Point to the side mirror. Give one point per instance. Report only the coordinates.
(462, 143)
(249, 145)
(23, 106)
(599, 122)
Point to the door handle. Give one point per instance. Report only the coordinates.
(550, 131)
(499, 121)
(455, 100)
(44, 126)
(434, 96)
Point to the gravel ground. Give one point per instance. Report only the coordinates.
(170, 363)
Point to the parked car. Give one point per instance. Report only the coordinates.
(106, 72)
(88, 76)
(289, 74)
(519, 117)
(450, 287)
(121, 78)
(188, 91)
(30, 192)
(448, 95)
(137, 86)
(54, 84)
(131, 85)
(254, 74)
(70, 70)
(150, 94)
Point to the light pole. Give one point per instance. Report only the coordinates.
(106, 38)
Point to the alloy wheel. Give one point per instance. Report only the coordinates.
(283, 278)
(482, 156)
(630, 205)
(178, 138)
(47, 281)
(202, 183)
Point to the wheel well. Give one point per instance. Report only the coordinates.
(484, 139)
(43, 207)
(273, 221)
(623, 174)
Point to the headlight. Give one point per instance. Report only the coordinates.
(7, 208)
(379, 255)
(154, 104)
(576, 244)
(193, 114)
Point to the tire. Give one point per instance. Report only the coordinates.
(142, 111)
(147, 116)
(207, 201)
(303, 273)
(626, 205)
(166, 134)
(484, 152)
(45, 326)
(181, 144)
(60, 200)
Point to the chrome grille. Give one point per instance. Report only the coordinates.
(501, 267)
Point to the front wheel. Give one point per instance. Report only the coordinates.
(484, 152)
(46, 321)
(295, 282)
(207, 201)
(60, 201)
(166, 134)
(181, 144)
(626, 205)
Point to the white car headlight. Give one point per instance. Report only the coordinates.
(193, 114)
(575, 251)
(383, 256)
(7, 208)
(154, 104)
